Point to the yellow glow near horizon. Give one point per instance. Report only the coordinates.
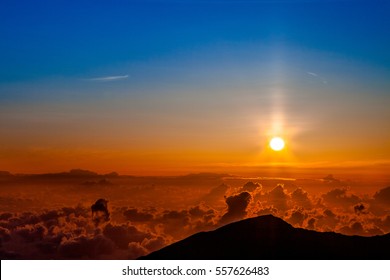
(276, 144)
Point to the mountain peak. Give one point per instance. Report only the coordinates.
(269, 237)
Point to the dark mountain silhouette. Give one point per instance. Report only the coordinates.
(72, 175)
(5, 174)
(268, 237)
(75, 173)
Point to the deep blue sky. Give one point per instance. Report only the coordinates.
(49, 38)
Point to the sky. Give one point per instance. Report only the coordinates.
(172, 87)
(179, 86)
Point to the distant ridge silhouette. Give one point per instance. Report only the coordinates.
(269, 237)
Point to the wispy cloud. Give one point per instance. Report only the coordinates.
(108, 78)
(324, 81)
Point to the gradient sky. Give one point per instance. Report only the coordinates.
(177, 86)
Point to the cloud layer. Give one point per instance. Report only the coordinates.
(132, 231)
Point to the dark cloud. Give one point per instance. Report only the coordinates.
(179, 217)
(100, 211)
(326, 221)
(203, 218)
(296, 217)
(4, 235)
(26, 218)
(374, 231)
(10, 255)
(137, 216)
(379, 203)
(154, 243)
(69, 233)
(237, 206)
(31, 233)
(385, 223)
(84, 247)
(340, 198)
(267, 210)
(362, 228)
(383, 196)
(356, 228)
(329, 214)
(15, 204)
(278, 197)
(122, 235)
(200, 211)
(250, 187)
(330, 179)
(360, 209)
(216, 194)
(311, 224)
(5, 216)
(136, 250)
(301, 198)
(50, 215)
(175, 223)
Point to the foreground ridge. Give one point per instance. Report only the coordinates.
(269, 237)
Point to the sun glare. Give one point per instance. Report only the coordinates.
(276, 144)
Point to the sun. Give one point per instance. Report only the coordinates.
(276, 144)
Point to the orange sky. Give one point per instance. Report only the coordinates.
(221, 122)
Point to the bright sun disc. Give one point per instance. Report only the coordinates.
(276, 144)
